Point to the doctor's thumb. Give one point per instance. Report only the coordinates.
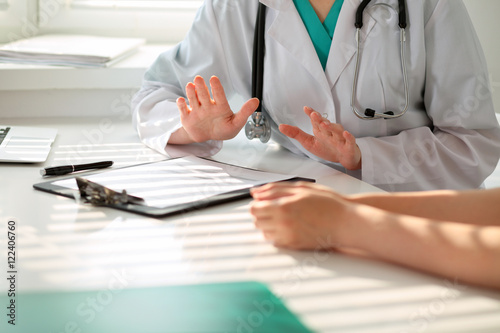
(248, 108)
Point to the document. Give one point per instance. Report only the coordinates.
(69, 50)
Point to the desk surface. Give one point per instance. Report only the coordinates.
(66, 246)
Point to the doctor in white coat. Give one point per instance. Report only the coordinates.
(448, 139)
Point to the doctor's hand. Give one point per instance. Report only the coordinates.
(209, 119)
(329, 142)
(300, 215)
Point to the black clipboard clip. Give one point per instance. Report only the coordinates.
(100, 195)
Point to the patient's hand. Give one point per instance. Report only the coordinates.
(300, 215)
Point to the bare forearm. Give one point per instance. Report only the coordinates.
(470, 253)
(476, 206)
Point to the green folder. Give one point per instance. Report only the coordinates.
(246, 307)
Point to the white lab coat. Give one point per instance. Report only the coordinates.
(449, 138)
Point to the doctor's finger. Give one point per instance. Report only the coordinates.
(202, 91)
(292, 131)
(350, 141)
(191, 95)
(306, 140)
(332, 130)
(315, 116)
(308, 110)
(320, 123)
(218, 91)
(182, 106)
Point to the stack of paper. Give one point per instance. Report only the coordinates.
(69, 50)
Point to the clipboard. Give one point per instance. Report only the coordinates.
(165, 188)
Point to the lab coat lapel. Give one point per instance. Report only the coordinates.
(287, 30)
(344, 46)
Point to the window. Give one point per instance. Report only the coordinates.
(164, 21)
(155, 20)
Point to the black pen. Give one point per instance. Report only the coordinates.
(65, 169)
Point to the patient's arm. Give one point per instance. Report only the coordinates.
(467, 252)
(475, 206)
(309, 216)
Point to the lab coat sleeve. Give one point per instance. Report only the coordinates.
(463, 146)
(154, 111)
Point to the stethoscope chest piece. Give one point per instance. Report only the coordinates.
(258, 128)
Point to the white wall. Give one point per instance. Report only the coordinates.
(484, 14)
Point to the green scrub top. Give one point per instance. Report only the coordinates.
(321, 33)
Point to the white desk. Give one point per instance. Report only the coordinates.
(66, 246)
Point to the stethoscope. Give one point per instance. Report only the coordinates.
(259, 126)
(371, 114)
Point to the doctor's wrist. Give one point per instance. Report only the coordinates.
(358, 165)
(354, 163)
(180, 137)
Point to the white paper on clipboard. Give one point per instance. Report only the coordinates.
(179, 181)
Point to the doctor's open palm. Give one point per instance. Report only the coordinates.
(330, 141)
(209, 119)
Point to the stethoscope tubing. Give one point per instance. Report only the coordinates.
(371, 114)
(405, 81)
(258, 55)
(259, 126)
